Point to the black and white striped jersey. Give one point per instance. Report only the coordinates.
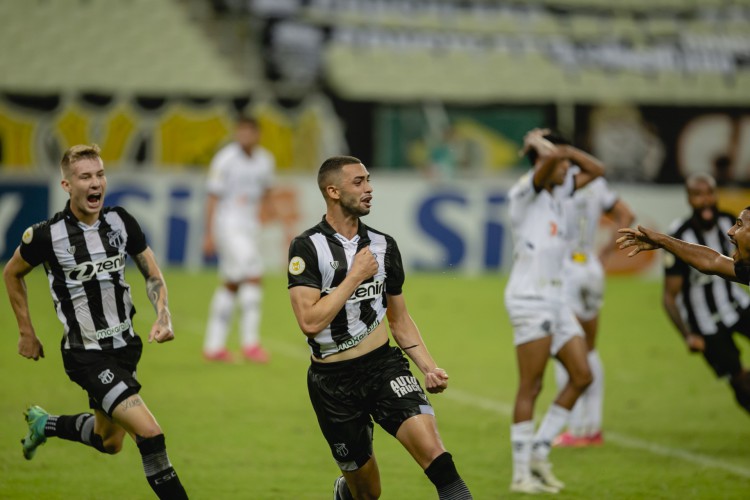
(706, 302)
(320, 258)
(85, 267)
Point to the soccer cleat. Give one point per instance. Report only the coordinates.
(337, 486)
(568, 440)
(596, 439)
(256, 354)
(532, 486)
(222, 356)
(36, 419)
(543, 470)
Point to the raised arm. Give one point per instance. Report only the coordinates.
(29, 345)
(156, 290)
(407, 336)
(591, 167)
(704, 259)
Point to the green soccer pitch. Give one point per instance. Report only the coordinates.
(671, 429)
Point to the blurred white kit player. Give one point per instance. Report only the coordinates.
(541, 319)
(241, 175)
(584, 291)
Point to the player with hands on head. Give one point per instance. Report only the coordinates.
(543, 323)
(345, 278)
(83, 250)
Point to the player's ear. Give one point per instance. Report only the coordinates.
(333, 192)
(65, 185)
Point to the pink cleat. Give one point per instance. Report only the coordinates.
(568, 440)
(256, 354)
(221, 356)
(595, 439)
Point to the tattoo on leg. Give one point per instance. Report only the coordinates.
(131, 403)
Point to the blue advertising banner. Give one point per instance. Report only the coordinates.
(21, 205)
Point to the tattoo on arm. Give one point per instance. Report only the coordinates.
(411, 347)
(154, 287)
(142, 263)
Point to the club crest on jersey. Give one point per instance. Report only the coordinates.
(71, 250)
(106, 376)
(115, 238)
(296, 266)
(334, 264)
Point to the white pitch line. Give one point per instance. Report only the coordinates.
(499, 408)
(619, 439)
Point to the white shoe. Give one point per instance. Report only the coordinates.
(543, 470)
(531, 485)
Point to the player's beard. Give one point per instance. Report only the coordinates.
(354, 207)
(705, 219)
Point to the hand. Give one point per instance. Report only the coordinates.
(641, 238)
(365, 264)
(29, 346)
(695, 342)
(535, 139)
(436, 380)
(161, 331)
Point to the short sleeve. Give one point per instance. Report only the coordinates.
(35, 244)
(742, 271)
(303, 264)
(394, 269)
(215, 183)
(136, 239)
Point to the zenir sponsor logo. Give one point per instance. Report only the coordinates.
(366, 291)
(87, 270)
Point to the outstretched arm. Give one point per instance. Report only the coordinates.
(407, 336)
(704, 259)
(29, 345)
(156, 289)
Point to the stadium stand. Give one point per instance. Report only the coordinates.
(119, 48)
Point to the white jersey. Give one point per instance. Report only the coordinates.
(539, 244)
(582, 213)
(239, 181)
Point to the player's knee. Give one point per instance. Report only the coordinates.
(582, 379)
(111, 445)
(531, 388)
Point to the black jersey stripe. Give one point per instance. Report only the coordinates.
(62, 293)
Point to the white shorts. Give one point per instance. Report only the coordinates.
(238, 254)
(534, 323)
(584, 287)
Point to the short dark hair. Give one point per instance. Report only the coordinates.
(331, 166)
(555, 138)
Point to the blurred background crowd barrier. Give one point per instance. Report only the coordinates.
(434, 96)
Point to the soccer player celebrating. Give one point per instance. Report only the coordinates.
(83, 250)
(543, 322)
(345, 278)
(705, 308)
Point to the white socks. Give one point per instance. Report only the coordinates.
(586, 416)
(521, 436)
(219, 319)
(250, 296)
(554, 422)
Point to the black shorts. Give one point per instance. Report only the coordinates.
(348, 395)
(107, 376)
